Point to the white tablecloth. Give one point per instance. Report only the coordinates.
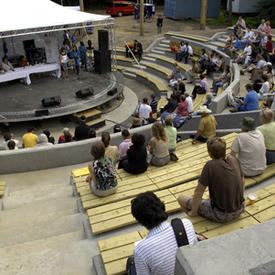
(25, 72)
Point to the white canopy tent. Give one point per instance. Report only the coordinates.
(21, 17)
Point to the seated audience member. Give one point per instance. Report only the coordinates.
(171, 133)
(224, 178)
(202, 89)
(135, 123)
(267, 28)
(182, 108)
(129, 46)
(189, 100)
(110, 151)
(255, 69)
(158, 146)
(241, 22)
(29, 139)
(50, 138)
(174, 71)
(265, 87)
(102, 176)
(138, 49)
(23, 61)
(136, 161)
(66, 137)
(222, 80)
(250, 102)
(249, 148)
(188, 52)
(11, 145)
(43, 141)
(245, 55)
(196, 69)
(125, 144)
(156, 254)
(6, 65)
(262, 26)
(171, 106)
(268, 46)
(207, 126)
(268, 131)
(177, 76)
(153, 103)
(92, 133)
(181, 52)
(208, 101)
(81, 131)
(144, 111)
(10, 137)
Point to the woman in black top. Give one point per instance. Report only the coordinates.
(136, 160)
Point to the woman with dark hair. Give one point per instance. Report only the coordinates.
(159, 147)
(66, 137)
(136, 160)
(102, 176)
(50, 138)
(75, 55)
(110, 151)
(83, 54)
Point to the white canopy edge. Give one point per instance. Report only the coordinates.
(39, 16)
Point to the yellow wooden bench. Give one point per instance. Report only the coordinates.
(157, 67)
(161, 103)
(170, 60)
(115, 251)
(187, 36)
(2, 188)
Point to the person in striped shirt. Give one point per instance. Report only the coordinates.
(156, 254)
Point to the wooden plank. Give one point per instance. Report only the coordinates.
(117, 253)
(268, 173)
(227, 228)
(261, 205)
(249, 182)
(80, 172)
(265, 215)
(116, 267)
(119, 241)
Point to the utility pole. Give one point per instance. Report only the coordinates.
(230, 13)
(81, 4)
(141, 17)
(203, 14)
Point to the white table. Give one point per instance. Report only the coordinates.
(25, 72)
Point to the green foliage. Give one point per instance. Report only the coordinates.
(267, 11)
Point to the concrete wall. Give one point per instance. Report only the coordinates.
(59, 155)
(243, 252)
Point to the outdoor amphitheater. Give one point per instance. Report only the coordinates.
(51, 219)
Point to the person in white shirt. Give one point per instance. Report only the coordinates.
(245, 55)
(260, 65)
(249, 148)
(188, 52)
(241, 22)
(144, 110)
(6, 65)
(265, 88)
(156, 254)
(189, 100)
(180, 53)
(262, 26)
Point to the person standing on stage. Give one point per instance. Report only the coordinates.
(63, 59)
(75, 55)
(159, 23)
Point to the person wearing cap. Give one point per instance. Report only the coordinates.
(81, 131)
(224, 178)
(29, 140)
(207, 126)
(250, 102)
(268, 131)
(249, 148)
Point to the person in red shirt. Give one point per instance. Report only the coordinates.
(182, 108)
(268, 45)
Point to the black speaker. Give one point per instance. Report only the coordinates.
(112, 92)
(51, 101)
(103, 40)
(42, 112)
(84, 93)
(102, 61)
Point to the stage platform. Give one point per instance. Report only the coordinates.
(19, 101)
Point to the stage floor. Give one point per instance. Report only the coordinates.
(19, 101)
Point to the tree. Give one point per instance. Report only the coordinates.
(203, 14)
(267, 11)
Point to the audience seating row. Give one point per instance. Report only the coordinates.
(2, 188)
(115, 251)
(187, 36)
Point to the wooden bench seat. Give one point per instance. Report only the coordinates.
(2, 188)
(187, 36)
(157, 67)
(161, 103)
(115, 251)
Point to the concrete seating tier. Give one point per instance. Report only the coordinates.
(115, 251)
(187, 36)
(2, 188)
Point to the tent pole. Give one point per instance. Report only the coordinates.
(81, 4)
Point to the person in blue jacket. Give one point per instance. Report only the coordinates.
(75, 55)
(83, 54)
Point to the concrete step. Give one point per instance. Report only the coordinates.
(39, 245)
(165, 41)
(74, 258)
(131, 75)
(149, 58)
(29, 196)
(140, 67)
(160, 49)
(164, 45)
(96, 123)
(40, 230)
(37, 211)
(157, 51)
